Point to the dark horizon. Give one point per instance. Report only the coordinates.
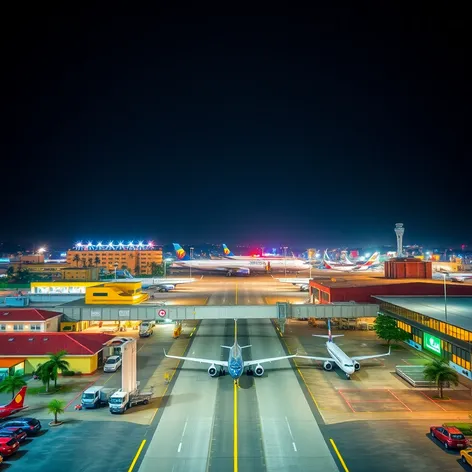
(326, 126)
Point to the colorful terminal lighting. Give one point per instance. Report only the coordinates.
(111, 246)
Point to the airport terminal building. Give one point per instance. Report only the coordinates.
(441, 326)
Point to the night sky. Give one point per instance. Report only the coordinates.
(318, 127)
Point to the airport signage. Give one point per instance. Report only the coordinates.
(432, 343)
(123, 313)
(412, 343)
(162, 313)
(461, 370)
(95, 314)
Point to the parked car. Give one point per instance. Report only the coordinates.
(450, 436)
(466, 456)
(8, 446)
(31, 426)
(17, 433)
(112, 364)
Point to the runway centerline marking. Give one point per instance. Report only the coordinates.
(235, 429)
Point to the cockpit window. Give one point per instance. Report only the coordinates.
(348, 365)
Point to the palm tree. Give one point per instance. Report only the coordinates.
(97, 261)
(76, 259)
(12, 383)
(84, 262)
(90, 262)
(56, 407)
(439, 372)
(44, 372)
(56, 363)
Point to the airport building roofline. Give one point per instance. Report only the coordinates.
(459, 308)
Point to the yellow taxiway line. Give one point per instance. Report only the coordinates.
(339, 455)
(136, 457)
(235, 429)
(236, 301)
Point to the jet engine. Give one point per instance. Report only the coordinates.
(166, 287)
(259, 370)
(327, 365)
(212, 371)
(357, 366)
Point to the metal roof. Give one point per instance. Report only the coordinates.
(459, 309)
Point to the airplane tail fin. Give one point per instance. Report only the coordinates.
(227, 251)
(19, 399)
(371, 261)
(330, 336)
(180, 252)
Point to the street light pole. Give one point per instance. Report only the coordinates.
(285, 260)
(445, 298)
(191, 258)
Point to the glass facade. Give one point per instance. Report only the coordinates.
(455, 342)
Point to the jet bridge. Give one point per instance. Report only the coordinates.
(281, 311)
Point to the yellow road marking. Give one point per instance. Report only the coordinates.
(131, 467)
(236, 301)
(339, 455)
(235, 428)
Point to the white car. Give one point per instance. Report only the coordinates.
(112, 364)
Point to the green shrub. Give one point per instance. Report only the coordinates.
(68, 373)
(78, 373)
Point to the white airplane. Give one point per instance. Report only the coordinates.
(453, 276)
(302, 283)
(235, 363)
(230, 255)
(372, 262)
(231, 266)
(159, 283)
(347, 364)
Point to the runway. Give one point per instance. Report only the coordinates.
(275, 427)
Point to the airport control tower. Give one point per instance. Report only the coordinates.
(399, 230)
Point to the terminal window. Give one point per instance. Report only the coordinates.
(99, 294)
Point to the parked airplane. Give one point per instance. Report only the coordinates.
(235, 363)
(302, 283)
(347, 364)
(372, 262)
(237, 266)
(159, 283)
(453, 276)
(15, 405)
(229, 254)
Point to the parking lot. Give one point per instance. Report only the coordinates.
(95, 440)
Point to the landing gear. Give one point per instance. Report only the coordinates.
(348, 377)
(249, 372)
(222, 372)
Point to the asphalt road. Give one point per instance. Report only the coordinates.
(276, 429)
(93, 440)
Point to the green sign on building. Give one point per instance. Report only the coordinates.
(432, 343)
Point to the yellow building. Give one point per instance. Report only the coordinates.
(115, 293)
(131, 258)
(86, 351)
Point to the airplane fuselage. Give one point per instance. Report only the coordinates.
(342, 360)
(235, 362)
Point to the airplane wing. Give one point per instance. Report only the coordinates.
(316, 358)
(362, 358)
(197, 359)
(269, 359)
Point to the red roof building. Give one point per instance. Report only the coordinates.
(29, 319)
(361, 290)
(85, 351)
(40, 344)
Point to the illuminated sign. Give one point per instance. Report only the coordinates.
(111, 246)
(432, 343)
